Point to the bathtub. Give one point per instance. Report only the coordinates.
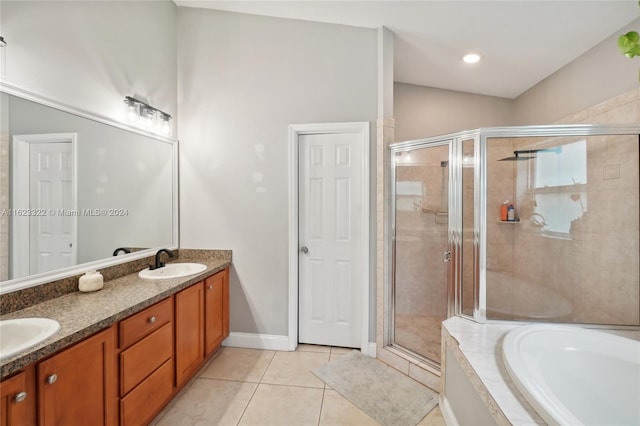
(575, 376)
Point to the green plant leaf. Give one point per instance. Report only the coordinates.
(629, 44)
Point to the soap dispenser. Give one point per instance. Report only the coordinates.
(91, 281)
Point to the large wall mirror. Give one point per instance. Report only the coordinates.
(75, 188)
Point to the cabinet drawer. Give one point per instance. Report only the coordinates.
(145, 401)
(144, 322)
(139, 360)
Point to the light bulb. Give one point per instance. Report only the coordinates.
(165, 127)
(471, 58)
(148, 118)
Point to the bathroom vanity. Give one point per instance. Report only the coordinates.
(121, 353)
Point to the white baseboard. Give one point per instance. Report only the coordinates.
(372, 349)
(447, 413)
(270, 342)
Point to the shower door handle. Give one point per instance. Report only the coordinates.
(446, 256)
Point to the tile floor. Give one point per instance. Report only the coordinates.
(262, 388)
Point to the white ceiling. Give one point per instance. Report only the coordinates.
(522, 42)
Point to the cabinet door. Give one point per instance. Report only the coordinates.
(78, 386)
(18, 399)
(225, 304)
(189, 331)
(213, 311)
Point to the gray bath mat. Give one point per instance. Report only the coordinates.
(386, 395)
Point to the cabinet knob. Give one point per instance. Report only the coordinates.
(21, 397)
(152, 320)
(210, 287)
(52, 379)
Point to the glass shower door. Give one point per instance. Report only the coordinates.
(421, 235)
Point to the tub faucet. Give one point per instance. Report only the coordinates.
(159, 264)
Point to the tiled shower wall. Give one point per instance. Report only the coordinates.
(593, 277)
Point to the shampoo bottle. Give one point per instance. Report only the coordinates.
(504, 211)
(91, 281)
(511, 213)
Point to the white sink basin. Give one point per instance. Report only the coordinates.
(172, 270)
(16, 335)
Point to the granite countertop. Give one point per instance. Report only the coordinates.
(82, 314)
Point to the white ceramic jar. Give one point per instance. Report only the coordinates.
(91, 281)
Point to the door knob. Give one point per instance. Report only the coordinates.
(304, 250)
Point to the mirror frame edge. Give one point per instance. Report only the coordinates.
(13, 285)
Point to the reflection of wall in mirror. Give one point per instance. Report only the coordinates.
(4, 206)
(4, 187)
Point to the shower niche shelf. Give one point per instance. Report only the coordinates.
(509, 222)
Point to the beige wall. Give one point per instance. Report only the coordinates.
(421, 111)
(91, 54)
(242, 80)
(599, 74)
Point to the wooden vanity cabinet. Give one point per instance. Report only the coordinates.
(146, 363)
(216, 310)
(18, 399)
(141, 363)
(189, 331)
(79, 385)
(202, 323)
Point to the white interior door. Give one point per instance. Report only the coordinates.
(50, 195)
(331, 258)
(44, 186)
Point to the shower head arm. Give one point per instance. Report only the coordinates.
(534, 151)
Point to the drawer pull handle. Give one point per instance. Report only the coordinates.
(21, 397)
(152, 320)
(52, 379)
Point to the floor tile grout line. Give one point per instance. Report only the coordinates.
(230, 380)
(256, 389)
(257, 386)
(267, 368)
(248, 402)
(321, 406)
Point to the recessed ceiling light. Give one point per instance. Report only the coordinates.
(471, 58)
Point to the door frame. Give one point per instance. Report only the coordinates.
(20, 189)
(295, 131)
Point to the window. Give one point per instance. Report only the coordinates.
(559, 186)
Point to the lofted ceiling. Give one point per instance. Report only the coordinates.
(521, 42)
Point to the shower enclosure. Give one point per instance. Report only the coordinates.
(570, 254)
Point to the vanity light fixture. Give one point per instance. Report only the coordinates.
(142, 114)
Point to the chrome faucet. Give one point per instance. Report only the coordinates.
(159, 264)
